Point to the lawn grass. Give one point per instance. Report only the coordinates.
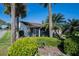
(5, 43)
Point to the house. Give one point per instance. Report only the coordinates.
(34, 29)
(30, 29)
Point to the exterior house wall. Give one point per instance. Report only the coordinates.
(28, 31)
(35, 32)
(24, 28)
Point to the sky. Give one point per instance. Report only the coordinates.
(36, 12)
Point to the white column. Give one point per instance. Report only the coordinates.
(39, 32)
(34, 32)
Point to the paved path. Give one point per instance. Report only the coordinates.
(2, 32)
(50, 51)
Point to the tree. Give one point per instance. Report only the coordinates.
(20, 9)
(13, 23)
(58, 20)
(71, 26)
(15, 11)
(49, 5)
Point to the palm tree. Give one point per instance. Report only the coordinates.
(13, 23)
(50, 19)
(49, 5)
(20, 10)
(58, 20)
(71, 26)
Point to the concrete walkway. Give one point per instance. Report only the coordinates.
(50, 51)
(2, 32)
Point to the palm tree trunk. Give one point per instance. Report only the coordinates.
(13, 23)
(50, 19)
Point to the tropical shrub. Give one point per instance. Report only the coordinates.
(41, 41)
(23, 47)
(28, 46)
(21, 33)
(71, 47)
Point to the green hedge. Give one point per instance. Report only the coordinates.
(28, 46)
(71, 47)
(46, 41)
(23, 47)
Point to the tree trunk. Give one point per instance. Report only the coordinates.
(13, 23)
(50, 19)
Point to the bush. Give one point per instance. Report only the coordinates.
(23, 47)
(71, 47)
(28, 46)
(46, 41)
(21, 33)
